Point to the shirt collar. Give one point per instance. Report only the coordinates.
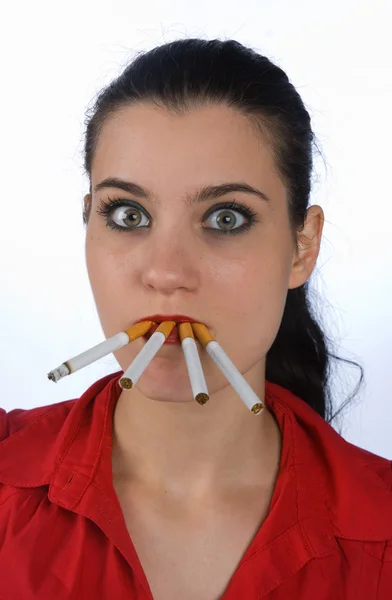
(325, 479)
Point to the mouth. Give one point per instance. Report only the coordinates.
(174, 336)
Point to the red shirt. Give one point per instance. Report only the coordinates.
(328, 534)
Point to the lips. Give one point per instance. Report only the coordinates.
(174, 336)
(176, 318)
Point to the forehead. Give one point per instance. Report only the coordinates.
(147, 143)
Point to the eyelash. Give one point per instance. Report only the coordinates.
(106, 208)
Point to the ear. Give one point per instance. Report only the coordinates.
(309, 240)
(87, 202)
(86, 207)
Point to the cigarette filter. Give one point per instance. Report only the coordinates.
(192, 359)
(96, 352)
(230, 371)
(146, 354)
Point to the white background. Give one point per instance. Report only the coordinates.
(54, 59)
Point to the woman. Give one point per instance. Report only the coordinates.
(142, 493)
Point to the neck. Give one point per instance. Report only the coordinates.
(181, 447)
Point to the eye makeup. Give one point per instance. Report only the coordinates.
(107, 208)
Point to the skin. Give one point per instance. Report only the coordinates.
(165, 445)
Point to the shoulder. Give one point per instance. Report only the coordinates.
(20, 419)
(353, 484)
(30, 441)
(33, 441)
(343, 493)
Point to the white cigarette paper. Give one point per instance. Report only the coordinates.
(141, 360)
(102, 349)
(195, 370)
(89, 356)
(229, 370)
(233, 375)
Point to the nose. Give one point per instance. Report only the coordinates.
(170, 266)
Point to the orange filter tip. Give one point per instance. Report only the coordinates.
(202, 333)
(139, 329)
(166, 327)
(185, 330)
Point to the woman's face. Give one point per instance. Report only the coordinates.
(169, 256)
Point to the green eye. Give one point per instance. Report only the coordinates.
(130, 217)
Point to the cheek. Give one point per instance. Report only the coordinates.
(104, 262)
(110, 275)
(250, 304)
(248, 285)
(102, 270)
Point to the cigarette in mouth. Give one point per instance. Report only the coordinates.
(229, 370)
(151, 347)
(100, 350)
(146, 354)
(192, 359)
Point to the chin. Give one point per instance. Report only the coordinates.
(164, 388)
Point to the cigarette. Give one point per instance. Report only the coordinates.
(146, 354)
(230, 371)
(192, 359)
(96, 352)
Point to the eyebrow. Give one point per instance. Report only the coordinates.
(210, 192)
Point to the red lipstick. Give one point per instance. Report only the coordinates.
(174, 337)
(177, 318)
